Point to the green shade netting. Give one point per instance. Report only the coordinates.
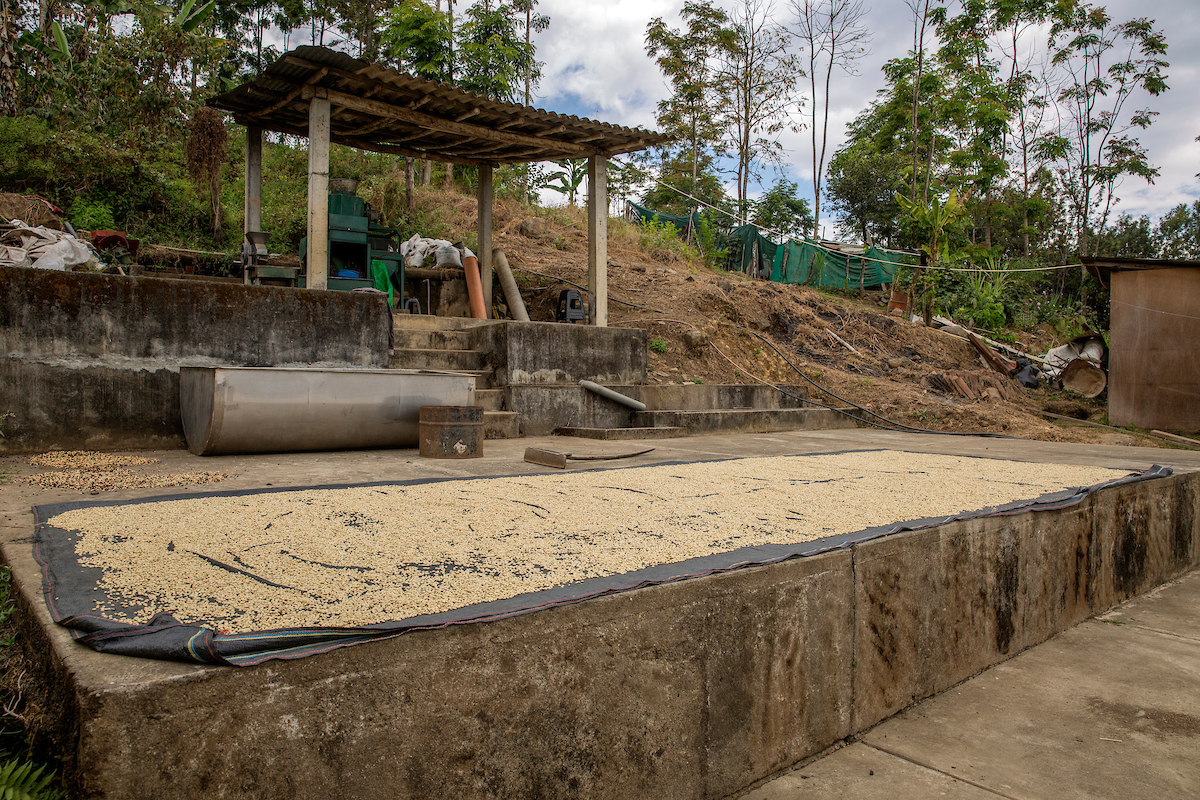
(681, 223)
(804, 262)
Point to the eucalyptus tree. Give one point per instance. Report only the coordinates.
(1104, 66)
(757, 84)
(688, 57)
(533, 23)
(832, 36)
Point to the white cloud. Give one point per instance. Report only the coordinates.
(596, 66)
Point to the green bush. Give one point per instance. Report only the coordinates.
(92, 215)
(658, 344)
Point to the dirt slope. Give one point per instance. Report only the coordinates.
(888, 372)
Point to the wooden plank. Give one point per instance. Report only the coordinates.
(1176, 438)
(1168, 436)
(380, 109)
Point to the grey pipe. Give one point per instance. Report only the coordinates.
(604, 391)
(511, 292)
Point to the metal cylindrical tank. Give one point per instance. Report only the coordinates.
(281, 409)
(451, 431)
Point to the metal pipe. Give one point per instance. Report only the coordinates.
(512, 292)
(617, 397)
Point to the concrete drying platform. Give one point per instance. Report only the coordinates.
(689, 690)
(1108, 710)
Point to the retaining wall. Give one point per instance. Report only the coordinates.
(92, 361)
(690, 690)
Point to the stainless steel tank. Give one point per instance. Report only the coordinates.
(281, 409)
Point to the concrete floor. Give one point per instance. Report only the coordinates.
(505, 457)
(1110, 708)
(1107, 709)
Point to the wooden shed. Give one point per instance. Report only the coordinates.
(1154, 347)
(327, 96)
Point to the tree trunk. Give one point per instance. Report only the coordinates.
(214, 199)
(426, 171)
(10, 10)
(410, 196)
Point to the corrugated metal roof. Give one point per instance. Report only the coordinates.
(1102, 266)
(378, 108)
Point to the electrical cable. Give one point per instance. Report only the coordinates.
(819, 246)
(898, 427)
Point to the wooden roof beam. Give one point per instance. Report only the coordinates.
(376, 108)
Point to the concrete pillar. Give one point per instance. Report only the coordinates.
(485, 235)
(598, 240)
(253, 217)
(318, 192)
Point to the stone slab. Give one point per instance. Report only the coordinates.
(861, 772)
(1101, 711)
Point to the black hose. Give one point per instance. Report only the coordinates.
(895, 426)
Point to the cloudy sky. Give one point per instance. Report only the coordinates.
(596, 66)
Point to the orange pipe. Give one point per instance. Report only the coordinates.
(474, 287)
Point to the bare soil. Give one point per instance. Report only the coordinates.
(668, 294)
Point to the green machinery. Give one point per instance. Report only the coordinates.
(358, 249)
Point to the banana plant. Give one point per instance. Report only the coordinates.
(189, 17)
(568, 178)
(933, 219)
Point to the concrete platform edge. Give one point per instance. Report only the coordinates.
(692, 690)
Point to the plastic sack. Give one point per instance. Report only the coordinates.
(448, 255)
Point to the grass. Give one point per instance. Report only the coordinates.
(657, 344)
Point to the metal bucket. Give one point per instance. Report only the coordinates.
(451, 431)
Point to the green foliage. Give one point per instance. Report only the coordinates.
(781, 211)
(19, 780)
(933, 220)
(657, 344)
(92, 215)
(687, 57)
(713, 243)
(417, 38)
(861, 188)
(493, 59)
(660, 239)
(675, 187)
(1178, 232)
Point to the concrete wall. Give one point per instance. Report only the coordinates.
(691, 690)
(542, 353)
(91, 361)
(542, 409)
(1154, 363)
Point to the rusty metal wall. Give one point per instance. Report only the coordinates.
(1154, 363)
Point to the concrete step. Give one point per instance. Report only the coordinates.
(622, 433)
(500, 424)
(746, 420)
(452, 360)
(429, 322)
(422, 339)
(490, 399)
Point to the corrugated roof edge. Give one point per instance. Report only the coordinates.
(281, 69)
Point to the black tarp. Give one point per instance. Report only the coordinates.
(70, 587)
